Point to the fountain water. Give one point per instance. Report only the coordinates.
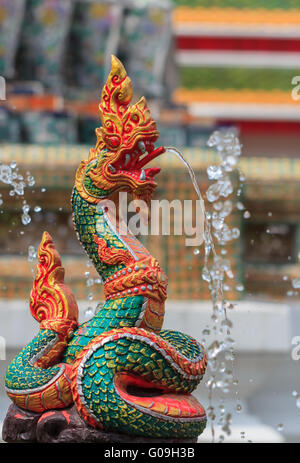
(216, 268)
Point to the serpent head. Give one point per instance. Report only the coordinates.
(125, 144)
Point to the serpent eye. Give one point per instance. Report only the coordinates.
(113, 141)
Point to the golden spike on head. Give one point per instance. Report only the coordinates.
(115, 98)
(121, 123)
(117, 93)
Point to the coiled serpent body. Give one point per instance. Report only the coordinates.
(123, 372)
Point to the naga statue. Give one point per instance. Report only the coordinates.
(120, 370)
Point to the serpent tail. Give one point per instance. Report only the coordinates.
(45, 383)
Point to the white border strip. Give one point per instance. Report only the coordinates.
(232, 30)
(247, 111)
(247, 59)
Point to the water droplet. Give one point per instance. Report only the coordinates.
(218, 223)
(239, 287)
(226, 322)
(229, 356)
(235, 233)
(239, 408)
(214, 139)
(214, 172)
(215, 348)
(26, 208)
(37, 209)
(226, 209)
(296, 283)
(5, 174)
(225, 187)
(213, 193)
(206, 275)
(218, 205)
(30, 179)
(26, 219)
(210, 383)
(18, 188)
(31, 253)
(89, 312)
(247, 215)
(196, 252)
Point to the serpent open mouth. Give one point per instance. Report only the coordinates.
(132, 163)
(157, 400)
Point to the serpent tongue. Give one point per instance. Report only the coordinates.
(139, 393)
(173, 405)
(152, 171)
(149, 157)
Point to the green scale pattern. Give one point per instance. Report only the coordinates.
(118, 313)
(90, 220)
(141, 359)
(21, 375)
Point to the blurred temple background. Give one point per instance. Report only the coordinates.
(202, 65)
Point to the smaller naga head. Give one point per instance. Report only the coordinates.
(125, 144)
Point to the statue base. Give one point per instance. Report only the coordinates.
(64, 426)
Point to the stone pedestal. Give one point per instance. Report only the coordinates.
(63, 426)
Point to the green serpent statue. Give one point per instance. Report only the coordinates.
(124, 373)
